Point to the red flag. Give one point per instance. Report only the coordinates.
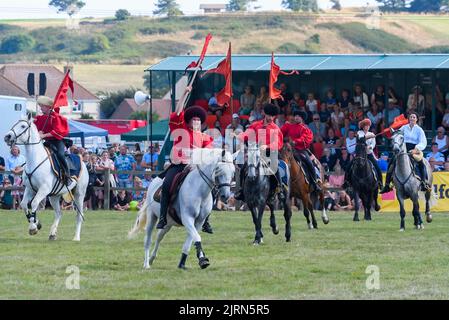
(195, 64)
(274, 74)
(224, 68)
(61, 97)
(398, 123)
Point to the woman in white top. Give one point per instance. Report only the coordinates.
(442, 140)
(361, 97)
(415, 141)
(370, 140)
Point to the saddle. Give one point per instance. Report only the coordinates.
(73, 163)
(174, 190)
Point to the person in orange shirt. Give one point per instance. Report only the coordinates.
(273, 140)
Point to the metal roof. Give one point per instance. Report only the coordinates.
(313, 62)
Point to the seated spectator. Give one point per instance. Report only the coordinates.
(332, 142)
(435, 158)
(392, 97)
(383, 161)
(147, 178)
(442, 140)
(390, 113)
(350, 142)
(325, 114)
(330, 99)
(257, 112)
(415, 102)
(286, 95)
(337, 117)
(344, 100)
(376, 117)
(231, 133)
(360, 97)
(123, 200)
(337, 178)
(311, 103)
(247, 101)
(344, 202)
(214, 108)
(296, 104)
(6, 199)
(378, 98)
(263, 98)
(318, 128)
(445, 122)
(344, 159)
(328, 160)
(138, 195)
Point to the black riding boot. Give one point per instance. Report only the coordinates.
(207, 227)
(163, 213)
(390, 170)
(281, 190)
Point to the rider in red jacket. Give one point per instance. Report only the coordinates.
(301, 137)
(269, 137)
(53, 128)
(185, 129)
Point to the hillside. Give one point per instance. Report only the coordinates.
(145, 40)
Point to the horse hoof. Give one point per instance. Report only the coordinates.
(326, 221)
(146, 266)
(288, 240)
(52, 237)
(182, 267)
(356, 219)
(401, 230)
(204, 263)
(256, 242)
(275, 231)
(310, 226)
(377, 207)
(33, 232)
(76, 239)
(429, 218)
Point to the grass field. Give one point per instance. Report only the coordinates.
(327, 263)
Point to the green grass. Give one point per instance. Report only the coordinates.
(327, 263)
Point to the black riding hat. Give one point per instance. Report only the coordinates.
(271, 109)
(195, 111)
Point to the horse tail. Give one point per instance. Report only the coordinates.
(141, 221)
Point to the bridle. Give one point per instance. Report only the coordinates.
(28, 129)
(402, 153)
(215, 188)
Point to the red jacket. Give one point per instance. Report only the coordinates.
(269, 135)
(185, 138)
(56, 125)
(299, 133)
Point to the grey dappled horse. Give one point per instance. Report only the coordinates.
(407, 184)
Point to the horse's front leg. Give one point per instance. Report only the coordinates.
(54, 201)
(185, 252)
(428, 214)
(273, 225)
(324, 216)
(357, 207)
(35, 224)
(192, 230)
(287, 217)
(312, 214)
(25, 204)
(417, 215)
(256, 225)
(401, 211)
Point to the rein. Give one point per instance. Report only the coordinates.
(210, 183)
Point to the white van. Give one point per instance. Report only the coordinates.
(11, 109)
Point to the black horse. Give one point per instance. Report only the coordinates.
(363, 180)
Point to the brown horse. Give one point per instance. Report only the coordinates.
(300, 188)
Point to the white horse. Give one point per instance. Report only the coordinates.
(40, 181)
(193, 203)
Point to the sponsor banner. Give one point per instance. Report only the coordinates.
(389, 203)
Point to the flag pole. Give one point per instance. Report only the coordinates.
(232, 91)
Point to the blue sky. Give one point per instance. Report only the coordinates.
(23, 9)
